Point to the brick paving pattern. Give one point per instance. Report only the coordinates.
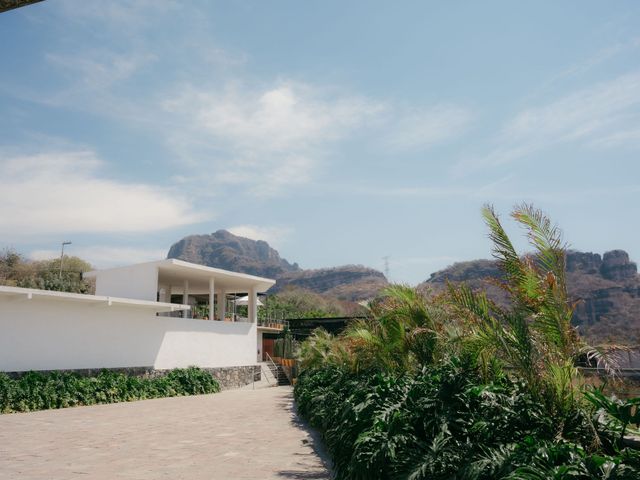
(236, 434)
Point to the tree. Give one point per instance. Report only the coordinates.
(299, 303)
(15, 270)
(534, 336)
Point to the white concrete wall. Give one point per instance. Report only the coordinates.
(260, 352)
(45, 334)
(207, 343)
(137, 281)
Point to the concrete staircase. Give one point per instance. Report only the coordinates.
(277, 372)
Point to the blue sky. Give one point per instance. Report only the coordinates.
(340, 132)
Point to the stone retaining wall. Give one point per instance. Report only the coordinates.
(228, 377)
(235, 377)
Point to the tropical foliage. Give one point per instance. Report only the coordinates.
(454, 386)
(446, 422)
(39, 391)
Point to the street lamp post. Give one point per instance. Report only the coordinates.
(62, 257)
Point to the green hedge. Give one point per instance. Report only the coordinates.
(40, 391)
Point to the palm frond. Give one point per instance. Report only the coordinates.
(477, 304)
(545, 237)
(503, 249)
(606, 357)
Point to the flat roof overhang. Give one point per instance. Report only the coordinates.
(18, 293)
(174, 272)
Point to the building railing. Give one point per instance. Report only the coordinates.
(271, 323)
(189, 314)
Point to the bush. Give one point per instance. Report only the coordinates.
(457, 387)
(444, 422)
(40, 391)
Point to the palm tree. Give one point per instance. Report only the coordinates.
(322, 349)
(404, 330)
(534, 336)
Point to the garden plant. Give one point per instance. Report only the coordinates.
(455, 386)
(39, 390)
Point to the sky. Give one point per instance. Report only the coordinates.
(339, 132)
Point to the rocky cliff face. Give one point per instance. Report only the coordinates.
(606, 289)
(616, 266)
(224, 250)
(608, 295)
(230, 252)
(349, 282)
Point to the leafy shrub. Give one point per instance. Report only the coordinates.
(192, 381)
(40, 391)
(456, 387)
(445, 423)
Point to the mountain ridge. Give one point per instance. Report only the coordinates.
(606, 290)
(223, 249)
(606, 287)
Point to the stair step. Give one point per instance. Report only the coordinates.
(282, 377)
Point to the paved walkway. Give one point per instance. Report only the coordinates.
(236, 434)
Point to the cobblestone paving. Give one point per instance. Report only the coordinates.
(236, 434)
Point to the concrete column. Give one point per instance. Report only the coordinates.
(185, 297)
(235, 307)
(222, 304)
(212, 291)
(167, 294)
(253, 305)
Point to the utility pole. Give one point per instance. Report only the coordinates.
(62, 257)
(386, 266)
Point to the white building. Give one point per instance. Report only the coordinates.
(141, 317)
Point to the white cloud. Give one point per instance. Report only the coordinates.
(581, 67)
(102, 256)
(583, 113)
(630, 137)
(231, 136)
(275, 235)
(95, 80)
(288, 116)
(591, 116)
(98, 69)
(64, 193)
(420, 129)
(124, 16)
(269, 140)
(488, 190)
(226, 136)
(264, 141)
(504, 188)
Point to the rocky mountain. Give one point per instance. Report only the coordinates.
(224, 250)
(348, 282)
(606, 289)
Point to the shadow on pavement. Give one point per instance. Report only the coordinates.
(314, 441)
